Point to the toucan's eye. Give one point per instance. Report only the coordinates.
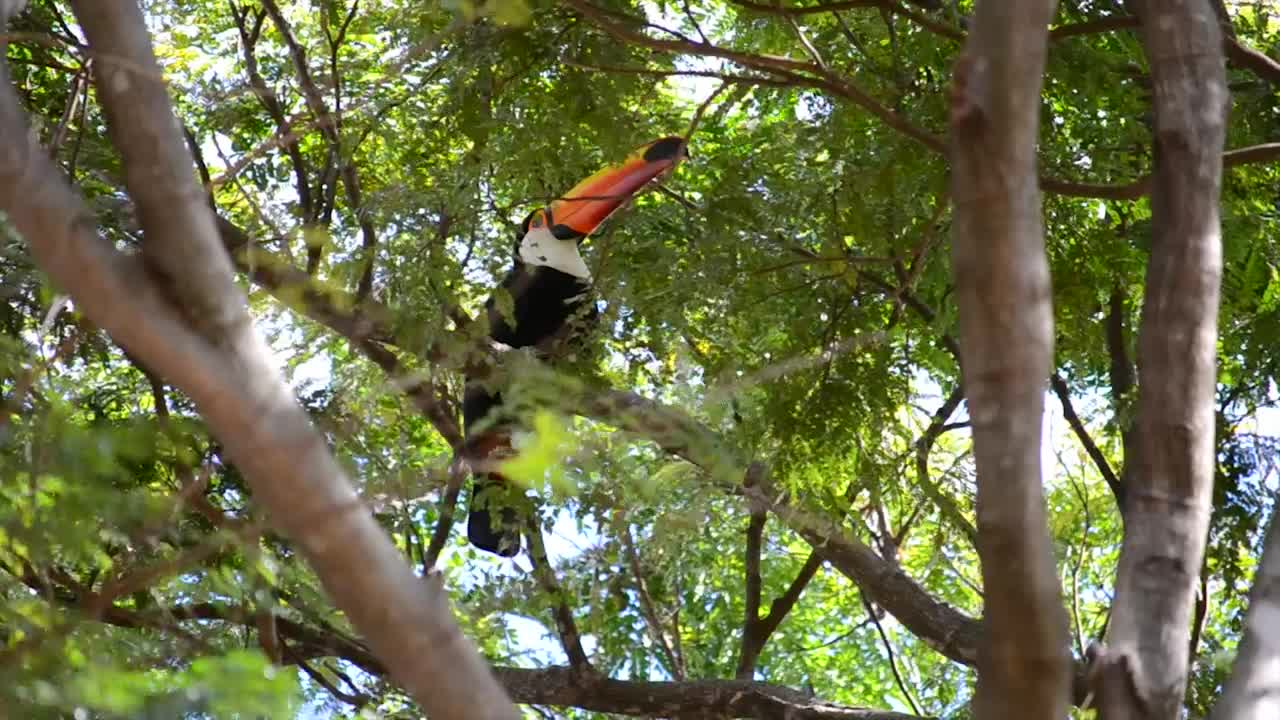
(537, 220)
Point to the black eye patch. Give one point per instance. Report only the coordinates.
(564, 232)
(668, 148)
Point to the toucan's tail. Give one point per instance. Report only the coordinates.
(493, 522)
(493, 517)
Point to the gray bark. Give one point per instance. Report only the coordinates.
(1253, 692)
(1006, 353)
(1142, 670)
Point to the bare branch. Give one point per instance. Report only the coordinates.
(444, 523)
(924, 446)
(1006, 330)
(801, 73)
(1082, 434)
(893, 659)
(330, 127)
(566, 627)
(659, 72)
(79, 93)
(656, 631)
(702, 108)
(271, 102)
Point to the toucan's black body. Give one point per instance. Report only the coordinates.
(550, 287)
(545, 299)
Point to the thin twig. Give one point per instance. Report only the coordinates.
(566, 626)
(647, 607)
(893, 659)
(1063, 392)
(702, 108)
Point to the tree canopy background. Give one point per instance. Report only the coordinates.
(789, 288)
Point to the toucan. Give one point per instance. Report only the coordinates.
(550, 287)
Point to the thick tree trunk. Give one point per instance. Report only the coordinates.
(1006, 353)
(1142, 670)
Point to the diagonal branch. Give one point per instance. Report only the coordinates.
(796, 71)
(444, 523)
(652, 621)
(1082, 434)
(183, 315)
(924, 446)
(757, 633)
(368, 327)
(566, 626)
(893, 657)
(757, 630)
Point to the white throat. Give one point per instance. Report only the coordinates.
(540, 248)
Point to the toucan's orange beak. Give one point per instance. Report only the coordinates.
(581, 210)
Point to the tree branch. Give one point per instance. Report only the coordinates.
(329, 126)
(751, 642)
(367, 327)
(1238, 54)
(888, 649)
(566, 627)
(222, 365)
(696, 698)
(887, 6)
(798, 72)
(1082, 434)
(446, 510)
(757, 630)
(924, 446)
(555, 686)
(1169, 490)
(271, 103)
(1005, 301)
(656, 631)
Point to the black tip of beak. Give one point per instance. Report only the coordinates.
(668, 148)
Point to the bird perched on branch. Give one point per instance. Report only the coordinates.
(549, 286)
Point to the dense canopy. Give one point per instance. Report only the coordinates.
(755, 475)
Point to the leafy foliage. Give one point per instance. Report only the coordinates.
(790, 290)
